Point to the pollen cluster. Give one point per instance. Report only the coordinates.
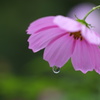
(76, 35)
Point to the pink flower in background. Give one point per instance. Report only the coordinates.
(81, 9)
(64, 38)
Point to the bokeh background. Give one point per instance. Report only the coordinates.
(24, 75)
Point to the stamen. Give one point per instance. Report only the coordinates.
(81, 38)
(71, 34)
(77, 35)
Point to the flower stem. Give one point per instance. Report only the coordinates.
(94, 8)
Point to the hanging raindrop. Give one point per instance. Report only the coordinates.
(56, 70)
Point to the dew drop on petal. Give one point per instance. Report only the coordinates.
(56, 70)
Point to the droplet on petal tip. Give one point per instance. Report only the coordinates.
(56, 70)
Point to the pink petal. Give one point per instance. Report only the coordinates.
(41, 39)
(90, 35)
(59, 51)
(82, 58)
(97, 59)
(41, 23)
(67, 23)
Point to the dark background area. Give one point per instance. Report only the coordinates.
(24, 75)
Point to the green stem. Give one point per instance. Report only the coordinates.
(94, 8)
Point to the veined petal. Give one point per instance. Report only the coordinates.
(59, 51)
(90, 35)
(82, 58)
(41, 23)
(41, 39)
(67, 23)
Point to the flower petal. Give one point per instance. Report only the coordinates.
(59, 51)
(90, 35)
(67, 23)
(41, 39)
(97, 59)
(41, 23)
(82, 58)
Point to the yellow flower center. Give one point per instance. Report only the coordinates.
(77, 35)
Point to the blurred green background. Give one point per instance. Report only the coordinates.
(24, 75)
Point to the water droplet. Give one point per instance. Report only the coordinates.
(56, 70)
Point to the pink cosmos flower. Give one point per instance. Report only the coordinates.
(64, 38)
